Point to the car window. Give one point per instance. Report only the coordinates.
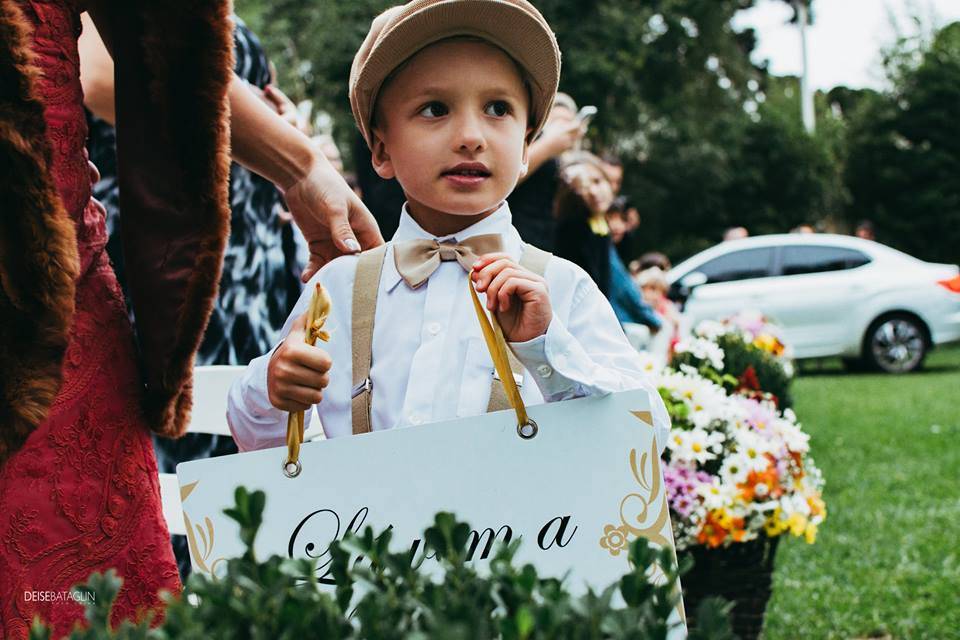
(739, 265)
(797, 260)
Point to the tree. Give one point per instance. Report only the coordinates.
(905, 151)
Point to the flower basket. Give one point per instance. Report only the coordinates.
(740, 573)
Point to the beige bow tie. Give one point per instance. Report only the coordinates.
(416, 260)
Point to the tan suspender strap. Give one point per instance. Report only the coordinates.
(535, 260)
(366, 285)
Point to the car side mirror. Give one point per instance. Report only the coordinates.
(693, 280)
(686, 285)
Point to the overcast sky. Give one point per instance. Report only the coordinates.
(845, 40)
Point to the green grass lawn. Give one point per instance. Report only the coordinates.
(887, 560)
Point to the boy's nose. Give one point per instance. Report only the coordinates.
(470, 134)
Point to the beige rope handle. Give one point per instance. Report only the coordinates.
(317, 312)
(493, 335)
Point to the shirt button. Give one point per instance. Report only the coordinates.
(434, 328)
(416, 418)
(545, 370)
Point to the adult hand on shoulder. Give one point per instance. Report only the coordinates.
(298, 372)
(331, 216)
(518, 297)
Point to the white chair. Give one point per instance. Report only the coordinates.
(210, 387)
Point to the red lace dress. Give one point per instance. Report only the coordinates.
(82, 495)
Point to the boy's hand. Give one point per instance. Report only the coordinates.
(517, 296)
(298, 372)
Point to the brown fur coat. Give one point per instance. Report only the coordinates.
(174, 64)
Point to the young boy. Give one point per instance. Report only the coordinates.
(448, 96)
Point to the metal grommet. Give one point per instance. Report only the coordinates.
(528, 430)
(292, 469)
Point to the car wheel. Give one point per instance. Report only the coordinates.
(895, 344)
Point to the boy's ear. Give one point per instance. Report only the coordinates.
(380, 158)
(525, 158)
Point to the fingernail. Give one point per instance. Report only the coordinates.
(353, 245)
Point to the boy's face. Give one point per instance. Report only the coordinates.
(452, 128)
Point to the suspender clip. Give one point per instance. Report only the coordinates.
(363, 387)
(517, 377)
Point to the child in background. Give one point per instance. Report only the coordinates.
(654, 287)
(448, 96)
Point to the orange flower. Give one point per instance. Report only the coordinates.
(768, 477)
(712, 534)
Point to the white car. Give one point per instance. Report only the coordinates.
(832, 295)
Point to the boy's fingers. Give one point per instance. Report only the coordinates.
(300, 395)
(487, 258)
(310, 357)
(484, 275)
(294, 373)
(493, 289)
(517, 286)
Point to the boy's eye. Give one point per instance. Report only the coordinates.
(497, 108)
(433, 110)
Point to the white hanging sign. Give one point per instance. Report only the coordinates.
(577, 493)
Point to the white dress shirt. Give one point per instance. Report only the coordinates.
(430, 361)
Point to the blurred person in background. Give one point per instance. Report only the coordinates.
(328, 147)
(630, 219)
(653, 285)
(271, 93)
(583, 199)
(650, 259)
(865, 230)
(803, 228)
(613, 167)
(632, 216)
(735, 233)
(531, 202)
(638, 319)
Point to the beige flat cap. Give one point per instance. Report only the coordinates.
(399, 32)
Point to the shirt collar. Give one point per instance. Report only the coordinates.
(500, 221)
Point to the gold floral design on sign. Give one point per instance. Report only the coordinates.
(643, 513)
(614, 539)
(205, 533)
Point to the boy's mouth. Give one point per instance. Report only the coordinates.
(467, 173)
